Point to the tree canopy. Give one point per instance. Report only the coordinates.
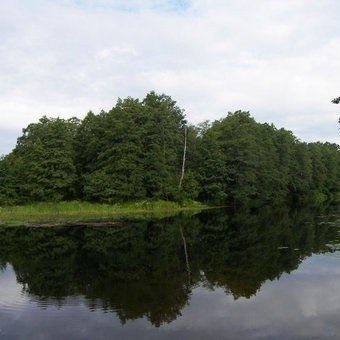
(135, 150)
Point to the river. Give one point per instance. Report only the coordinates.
(253, 273)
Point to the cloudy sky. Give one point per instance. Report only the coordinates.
(278, 59)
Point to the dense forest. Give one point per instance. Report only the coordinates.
(136, 151)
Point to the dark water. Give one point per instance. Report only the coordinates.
(270, 273)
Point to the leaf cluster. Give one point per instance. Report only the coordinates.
(134, 152)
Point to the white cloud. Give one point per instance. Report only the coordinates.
(277, 59)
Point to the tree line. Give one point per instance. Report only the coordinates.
(135, 152)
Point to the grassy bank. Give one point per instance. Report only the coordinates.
(83, 211)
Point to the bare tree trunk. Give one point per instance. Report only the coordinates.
(184, 159)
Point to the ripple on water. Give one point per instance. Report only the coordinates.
(14, 300)
(11, 307)
(48, 308)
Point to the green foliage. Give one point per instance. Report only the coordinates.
(41, 166)
(135, 151)
(242, 160)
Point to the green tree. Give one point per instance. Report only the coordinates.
(133, 151)
(163, 145)
(43, 159)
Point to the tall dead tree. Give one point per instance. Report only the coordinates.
(184, 159)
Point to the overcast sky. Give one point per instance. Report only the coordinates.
(278, 59)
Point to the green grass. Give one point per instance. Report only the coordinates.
(76, 211)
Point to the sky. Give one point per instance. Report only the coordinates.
(277, 59)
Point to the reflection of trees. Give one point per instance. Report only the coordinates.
(246, 249)
(141, 269)
(265, 244)
(136, 270)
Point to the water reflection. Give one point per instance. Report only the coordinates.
(152, 269)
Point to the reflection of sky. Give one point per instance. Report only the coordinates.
(9, 292)
(305, 303)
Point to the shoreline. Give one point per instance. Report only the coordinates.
(77, 212)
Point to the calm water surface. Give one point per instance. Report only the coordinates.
(221, 275)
